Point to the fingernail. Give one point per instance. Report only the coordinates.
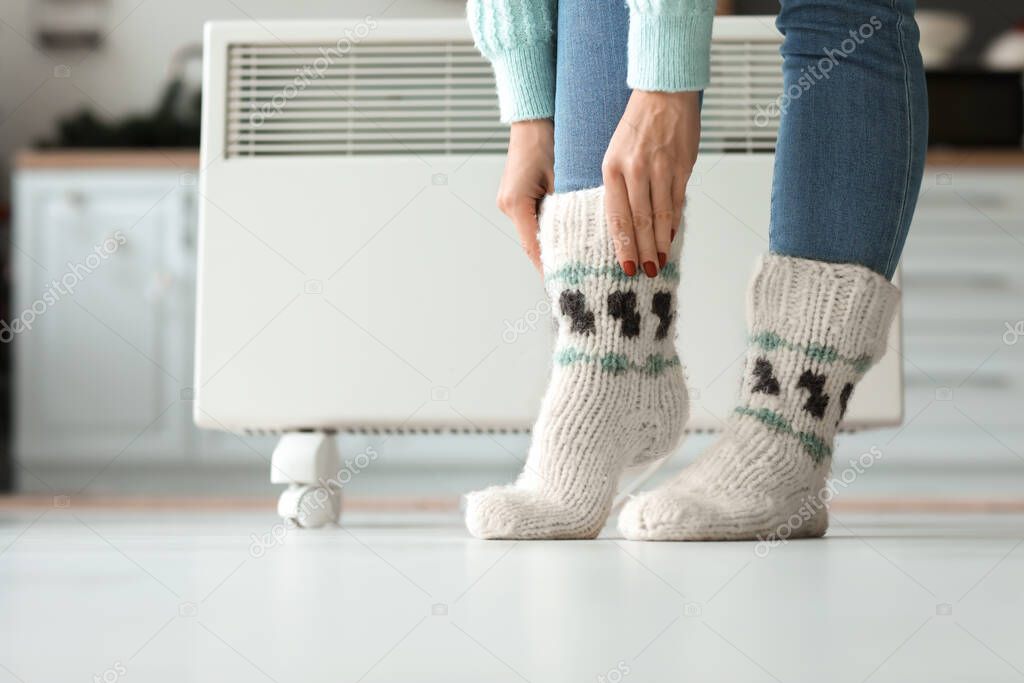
(662, 259)
(630, 268)
(650, 268)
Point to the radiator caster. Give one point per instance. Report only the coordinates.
(310, 506)
(308, 462)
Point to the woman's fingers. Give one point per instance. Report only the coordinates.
(639, 188)
(678, 202)
(664, 214)
(645, 171)
(524, 216)
(528, 176)
(620, 223)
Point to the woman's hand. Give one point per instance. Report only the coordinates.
(646, 168)
(529, 175)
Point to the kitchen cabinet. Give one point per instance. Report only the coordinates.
(103, 262)
(963, 313)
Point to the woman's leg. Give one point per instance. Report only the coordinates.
(590, 88)
(617, 395)
(854, 124)
(848, 167)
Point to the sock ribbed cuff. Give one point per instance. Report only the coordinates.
(832, 311)
(572, 231)
(574, 234)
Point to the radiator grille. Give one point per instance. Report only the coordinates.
(377, 98)
(739, 113)
(439, 98)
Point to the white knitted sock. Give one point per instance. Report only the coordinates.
(617, 395)
(815, 330)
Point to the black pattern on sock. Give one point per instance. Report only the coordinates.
(622, 306)
(817, 402)
(844, 399)
(765, 374)
(574, 305)
(661, 306)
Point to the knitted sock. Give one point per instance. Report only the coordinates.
(616, 396)
(815, 330)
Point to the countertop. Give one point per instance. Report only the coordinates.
(106, 158)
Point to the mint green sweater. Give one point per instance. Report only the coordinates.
(669, 46)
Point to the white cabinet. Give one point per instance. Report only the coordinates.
(104, 287)
(963, 284)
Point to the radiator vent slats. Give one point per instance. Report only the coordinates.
(438, 97)
(746, 81)
(415, 97)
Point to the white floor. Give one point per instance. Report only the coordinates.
(107, 595)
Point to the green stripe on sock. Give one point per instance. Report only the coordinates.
(769, 341)
(616, 363)
(818, 449)
(575, 273)
(570, 356)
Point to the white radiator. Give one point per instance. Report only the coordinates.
(354, 273)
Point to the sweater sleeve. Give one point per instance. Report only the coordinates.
(518, 37)
(669, 44)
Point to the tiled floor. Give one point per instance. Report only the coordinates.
(231, 595)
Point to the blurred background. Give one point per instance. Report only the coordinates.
(95, 398)
(134, 544)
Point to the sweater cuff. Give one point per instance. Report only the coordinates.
(526, 82)
(669, 53)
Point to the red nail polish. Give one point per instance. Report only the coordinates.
(630, 268)
(662, 259)
(650, 268)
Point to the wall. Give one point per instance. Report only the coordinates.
(127, 73)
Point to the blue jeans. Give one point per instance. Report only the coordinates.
(851, 143)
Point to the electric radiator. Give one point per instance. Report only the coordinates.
(354, 273)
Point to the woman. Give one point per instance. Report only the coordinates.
(604, 102)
